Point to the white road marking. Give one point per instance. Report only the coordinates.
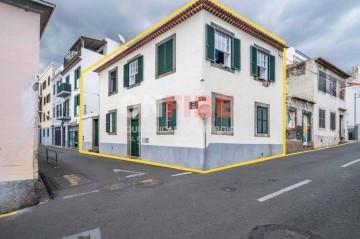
(134, 174)
(80, 194)
(283, 190)
(180, 174)
(348, 164)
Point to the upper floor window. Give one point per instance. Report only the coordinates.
(322, 81)
(262, 64)
(165, 56)
(113, 77)
(48, 80)
(222, 48)
(76, 105)
(44, 85)
(77, 73)
(133, 71)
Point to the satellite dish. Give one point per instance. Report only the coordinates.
(122, 39)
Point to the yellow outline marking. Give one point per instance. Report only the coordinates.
(8, 214)
(147, 31)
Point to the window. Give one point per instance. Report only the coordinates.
(111, 122)
(113, 81)
(222, 49)
(48, 80)
(45, 100)
(66, 109)
(76, 105)
(48, 132)
(262, 119)
(43, 132)
(53, 114)
(67, 79)
(44, 117)
(48, 98)
(165, 56)
(321, 119)
(291, 118)
(166, 115)
(332, 121)
(262, 64)
(48, 115)
(222, 114)
(133, 71)
(331, 86)
(44, 85)
(54, 90)
(77, 77)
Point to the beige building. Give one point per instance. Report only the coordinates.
(22, 24)
(46, 91)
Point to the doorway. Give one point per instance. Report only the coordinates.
(134, 131)
(95, 134)
(306, 128)
(341, 128)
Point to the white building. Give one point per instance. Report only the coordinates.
(316, 104)
(151, 91)
(295, 56)
(353, 110)
(45, 96)
(82, 54)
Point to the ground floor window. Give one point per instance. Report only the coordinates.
(111, 122)
(291, 118)
(166, 115)
(262, 119)
(332, 121)
(222, 120)
(321, 119)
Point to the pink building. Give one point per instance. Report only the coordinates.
(22, 23)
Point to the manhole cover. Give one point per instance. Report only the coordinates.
(115, 187)
(228, 189)
(148, 183)
(280, 232)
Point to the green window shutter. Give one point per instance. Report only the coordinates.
(172, 120)
(271, 68)
(126, 75)
(210, 43)
(75, 104)
(140, 74)
(107, 123)
(253, 61)
(54, 90)
(113, 122)
(265, 120)
(161, 59)
(258, 119)
(169, 55)
(162, 116)
(236, 54)
(75, 77)
(67, 80)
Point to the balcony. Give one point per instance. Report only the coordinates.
(63, 90)
(63, 115)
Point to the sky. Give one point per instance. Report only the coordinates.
(321, 28)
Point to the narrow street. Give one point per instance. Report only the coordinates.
(317, 192)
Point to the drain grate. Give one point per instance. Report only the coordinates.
(149, 183)
(228, 189)
(115, 187)
(280, 232)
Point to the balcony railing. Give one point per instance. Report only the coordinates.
(63, 90)
(71, 55)
(63, 115)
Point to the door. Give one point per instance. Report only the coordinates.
(341, 135)
(135, 147)
(96, 133)
(58, 136)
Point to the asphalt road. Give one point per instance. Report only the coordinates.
(309, 192)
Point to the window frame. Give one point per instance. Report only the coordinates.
(168, 130)
(332, 127)
(131, 63)
(113, 129)
(227, 63)
(110, 81)
(322, 120)
(262, 105)
(157, 75)
(266, 62)
(214, 129)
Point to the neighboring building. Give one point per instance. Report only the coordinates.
(22, 24)
(82, 54)
(45, 104)
(355, 74)
(205, 55)
(353, 110)
(58, 138)
(316, 108)
(294, 56)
